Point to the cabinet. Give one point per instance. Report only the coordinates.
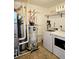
(47, 41)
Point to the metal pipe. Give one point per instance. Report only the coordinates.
(24, 35)
(24, 31)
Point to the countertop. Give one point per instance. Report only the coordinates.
(59, 33)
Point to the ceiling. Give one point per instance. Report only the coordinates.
(43, 3)
(46, 3)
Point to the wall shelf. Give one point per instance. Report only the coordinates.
(56, 14)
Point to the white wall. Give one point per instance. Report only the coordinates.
(57, 19)
(40, 19)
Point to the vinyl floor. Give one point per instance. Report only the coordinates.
(41, 53)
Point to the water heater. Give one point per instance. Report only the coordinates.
(33, 37)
